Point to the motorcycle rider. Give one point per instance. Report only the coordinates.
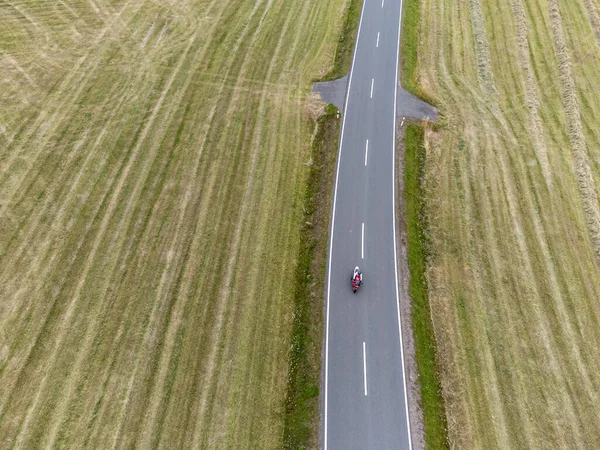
(357, 278)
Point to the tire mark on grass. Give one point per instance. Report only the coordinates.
(592, 13)
(158, 106)
(484, 359)
(68, 90)
(35, 346)
(13, 62)
(22, 14)
(99, 237)
(265, 309)
(76, 79)
(531, 93)
(42, 272)
(130, 275)
(172, 331)
(204, 316)
(482, 49)
(52, 199)
(176, 314)
(235, 249)
(75, 374)
(214, 176)
(14, 363)
(191, 267)
(59, 220)
(585, 179)
(543, 328)
(447, 329)
(43, 129)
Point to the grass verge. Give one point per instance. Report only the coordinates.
(343, 53)
(411, 18)
(302, 403)
(432, 401)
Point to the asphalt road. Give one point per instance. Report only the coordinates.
(365, 397)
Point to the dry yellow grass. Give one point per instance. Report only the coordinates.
(151, 178)
(512, 183)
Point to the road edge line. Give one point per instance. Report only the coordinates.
(337, 174)
(396, 81)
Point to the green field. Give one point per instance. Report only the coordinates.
(152, 177)
(512, 177)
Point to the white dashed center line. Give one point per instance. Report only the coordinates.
(362, 243)
(365, 365)
(366, 152)
(377, 45)
(372, 83)
(382, 2)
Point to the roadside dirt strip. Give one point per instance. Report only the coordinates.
(152, 173)
(512, 176)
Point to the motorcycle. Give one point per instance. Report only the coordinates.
(356, 279)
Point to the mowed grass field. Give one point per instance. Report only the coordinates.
(152, 173)
(512, 182)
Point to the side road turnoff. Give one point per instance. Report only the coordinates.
(364, 396)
